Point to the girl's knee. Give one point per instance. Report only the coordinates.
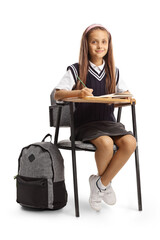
(128, 142)
(103, 142)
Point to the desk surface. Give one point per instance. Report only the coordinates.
(115, 101)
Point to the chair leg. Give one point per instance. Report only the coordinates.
(138, 179)
(137, 158)
(57, 125)
(75, 184)
(74, 163)
(119, 114)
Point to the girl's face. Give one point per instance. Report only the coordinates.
(97, 45)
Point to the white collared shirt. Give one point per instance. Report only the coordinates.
(98, 69)
(67, 82)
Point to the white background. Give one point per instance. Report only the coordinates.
(38, 40)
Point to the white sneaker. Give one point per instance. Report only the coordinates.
(109, 196)
(96, 195)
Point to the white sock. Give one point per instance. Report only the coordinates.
(100, 185)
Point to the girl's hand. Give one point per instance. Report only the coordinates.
(85, 92)
(127, 92)
(129, 98)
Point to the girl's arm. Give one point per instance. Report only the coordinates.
(60, 94)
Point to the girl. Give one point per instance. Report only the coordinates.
(95, 122)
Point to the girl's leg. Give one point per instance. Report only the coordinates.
(103, 156)
(126, 146)
(104, 152)
(108, 166)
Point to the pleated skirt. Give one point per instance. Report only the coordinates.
(92, 130)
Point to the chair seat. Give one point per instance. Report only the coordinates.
(66, 144)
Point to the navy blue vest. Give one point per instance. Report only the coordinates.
(90, 112)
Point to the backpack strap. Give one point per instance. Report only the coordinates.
(48, 135)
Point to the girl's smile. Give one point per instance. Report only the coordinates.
(99, 51)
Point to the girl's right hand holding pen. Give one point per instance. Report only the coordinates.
(84, 92)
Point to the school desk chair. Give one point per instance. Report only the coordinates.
(61, 115)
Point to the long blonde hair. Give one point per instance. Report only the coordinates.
(109, 61)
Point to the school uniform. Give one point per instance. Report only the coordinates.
(93, 120)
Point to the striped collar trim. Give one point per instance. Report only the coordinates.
(93, 72)
(99, 76)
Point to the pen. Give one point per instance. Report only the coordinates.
(81, 81)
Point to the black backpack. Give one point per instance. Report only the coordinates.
(40, 179)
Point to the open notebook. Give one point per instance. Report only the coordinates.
(115, 95)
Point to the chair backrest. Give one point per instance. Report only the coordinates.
(57, 106)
